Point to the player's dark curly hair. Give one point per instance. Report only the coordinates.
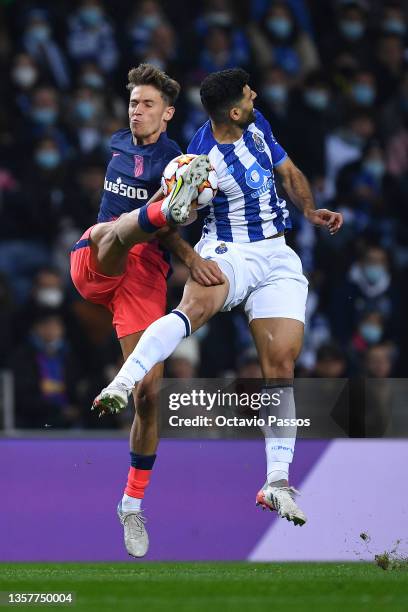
(221, 90)
(147, 74)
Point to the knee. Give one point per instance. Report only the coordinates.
(109, 235)
(114, 234)
(280, 365)
(198, 311)
(103, 233)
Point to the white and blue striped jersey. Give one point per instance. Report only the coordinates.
(247, 207)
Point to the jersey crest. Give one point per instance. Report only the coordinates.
(258, 142)
(138, 171)
(221, 248)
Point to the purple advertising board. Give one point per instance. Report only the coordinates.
(59, 501)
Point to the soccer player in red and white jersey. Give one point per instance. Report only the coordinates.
(122, 263)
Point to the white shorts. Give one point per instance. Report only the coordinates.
(265, 275)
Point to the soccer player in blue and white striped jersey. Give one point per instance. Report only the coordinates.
(247, 207)
(244, 233)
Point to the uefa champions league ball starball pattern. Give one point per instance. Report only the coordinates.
(176, 168)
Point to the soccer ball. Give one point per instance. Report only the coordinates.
(176, 167)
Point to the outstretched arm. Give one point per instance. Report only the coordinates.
(203, 271)
(297, 187)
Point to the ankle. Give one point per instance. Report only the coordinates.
(283, 482)
(131, 503)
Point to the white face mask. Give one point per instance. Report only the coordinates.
(50, 296)
(218, 19)
(24, 76)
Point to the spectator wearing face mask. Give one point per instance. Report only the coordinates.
(278, 39)
(344, 145)
(299, 8)
(33, 217)
(223, 14)
(91, 36)
(45, 120)
(363, 90)
(86, 116)
(47, 376)
(162, 50)
(152, 39)
(39, 44)
(24, 77)
(48, 290)
(370, 331)
(93, 79)
(367, 190)
(47, 158)
(49, 294)
(16, 88)
(393, 20)
(91, 76)
(217, 13)
(143, 21)
(275, 103)
(31, 210)
(218, 52)
(349, 35)
(312, 117)
(389, 66)
(369, 286)
(45, 191)
(44, 112)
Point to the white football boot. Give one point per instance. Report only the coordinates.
(280, 497)
(114, 398)
(177, 205)
(134, 532)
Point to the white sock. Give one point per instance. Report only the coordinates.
(157, 343)
(130, 503)
(279, 441)
(276, 470)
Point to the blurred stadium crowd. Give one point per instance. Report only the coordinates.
(332, 79)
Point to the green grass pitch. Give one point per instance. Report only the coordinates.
(211, 587)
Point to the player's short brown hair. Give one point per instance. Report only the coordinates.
(146, 74)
